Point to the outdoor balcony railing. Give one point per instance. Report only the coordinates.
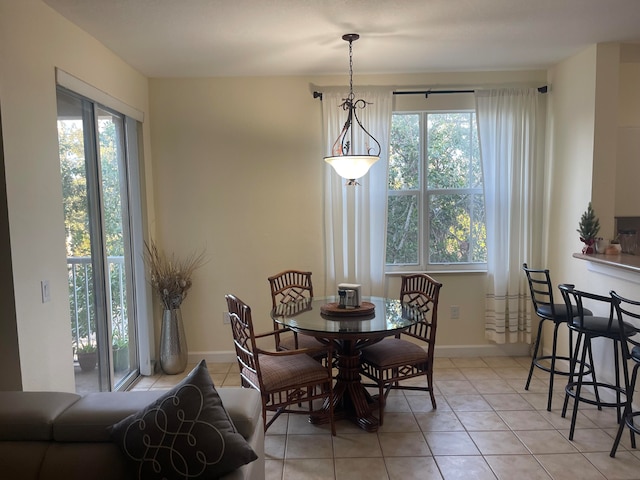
(81, 299)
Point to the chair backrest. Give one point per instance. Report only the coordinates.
(573, 300)
(541, 290)
(422, 292)
(627, 309)
(243, 338)
(626, 306)
(290, 286)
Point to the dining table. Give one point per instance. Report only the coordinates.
(349, 330)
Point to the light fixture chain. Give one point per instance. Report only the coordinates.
(351, 70)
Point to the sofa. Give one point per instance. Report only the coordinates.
(57, 435)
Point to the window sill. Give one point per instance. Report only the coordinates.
(429, 272)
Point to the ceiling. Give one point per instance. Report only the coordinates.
(205, 38)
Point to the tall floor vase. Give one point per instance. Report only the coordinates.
(173, 343)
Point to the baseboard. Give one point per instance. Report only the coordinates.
(490, 350)
(228, 356)
(494, 350)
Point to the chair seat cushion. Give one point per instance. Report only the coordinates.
(599, 326)
(560, 309)
(287, 371)
(287, 342)
(394, 351)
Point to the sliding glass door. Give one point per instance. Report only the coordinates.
(95, 146)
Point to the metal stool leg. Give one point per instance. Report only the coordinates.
(535, 354)
(574, 416)
(593, 377)
(626, 415)
(553, 364)
(572, 371)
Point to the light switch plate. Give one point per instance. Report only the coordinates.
(45, 290)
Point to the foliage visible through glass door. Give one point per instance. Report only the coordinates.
(94, 182)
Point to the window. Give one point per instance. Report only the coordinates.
(435, 211)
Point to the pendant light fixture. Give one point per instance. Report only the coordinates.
(346, 163)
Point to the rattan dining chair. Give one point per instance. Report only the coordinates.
(393, 360)
(285, 379)
(286, 287)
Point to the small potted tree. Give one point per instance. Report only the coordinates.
(588, 229)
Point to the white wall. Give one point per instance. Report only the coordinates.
(33, 41)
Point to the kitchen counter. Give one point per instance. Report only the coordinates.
(624, 262)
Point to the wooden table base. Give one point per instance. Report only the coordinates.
(351, 399)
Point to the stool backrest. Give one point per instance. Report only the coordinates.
(628, 310)
(573, 300)
(541, 291)
(624, 306)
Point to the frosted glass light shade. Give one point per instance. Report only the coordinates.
(352, 166)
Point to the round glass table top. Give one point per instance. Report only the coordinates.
(388, 315)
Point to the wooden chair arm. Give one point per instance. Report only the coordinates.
(268, 334)
(328, 349)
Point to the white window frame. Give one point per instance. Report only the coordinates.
(423, 192)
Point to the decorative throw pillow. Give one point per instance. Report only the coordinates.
(186, 433)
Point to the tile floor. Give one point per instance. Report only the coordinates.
(486, 426)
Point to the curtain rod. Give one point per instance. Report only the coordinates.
(426, 93)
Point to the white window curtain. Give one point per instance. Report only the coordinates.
(355, 217)
(511, 132)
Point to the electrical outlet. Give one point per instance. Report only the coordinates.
(226, 318)
(455, 312)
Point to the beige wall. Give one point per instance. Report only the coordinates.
(33, 41)
(238, 170)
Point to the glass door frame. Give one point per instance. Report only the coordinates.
(137, 294)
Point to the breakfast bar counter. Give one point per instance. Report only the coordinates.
(623, 261)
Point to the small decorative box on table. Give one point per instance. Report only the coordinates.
(334, 309)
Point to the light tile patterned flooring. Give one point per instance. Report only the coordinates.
(486, 426)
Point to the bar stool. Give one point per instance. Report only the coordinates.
(589, 327)
(623, 306)
(542, 297)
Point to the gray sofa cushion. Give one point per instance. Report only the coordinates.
(90, 417)
(30, 415)
(83, 461)
(243, 410)
(22, 459)
(186, 433)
